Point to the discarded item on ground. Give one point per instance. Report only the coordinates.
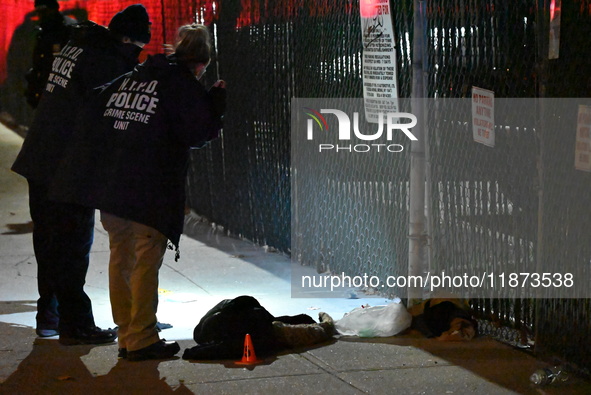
(375, 321)
(444, 319)
(548, 376)
(305, 334)
(220, 334)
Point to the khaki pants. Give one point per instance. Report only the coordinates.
(137, 252)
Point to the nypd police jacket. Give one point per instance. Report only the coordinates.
(132, 155)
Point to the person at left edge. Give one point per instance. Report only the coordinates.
(63, 233)
(53, 34)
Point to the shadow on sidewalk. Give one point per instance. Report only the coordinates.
(484, 357)
(51, 368)
(19, 229)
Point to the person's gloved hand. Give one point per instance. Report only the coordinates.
(218, 96)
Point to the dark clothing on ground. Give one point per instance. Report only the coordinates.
(132, 158)
(91, 58)
(221, 331)
(437, 319)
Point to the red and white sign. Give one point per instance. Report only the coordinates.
(380, 86)
(483, 116)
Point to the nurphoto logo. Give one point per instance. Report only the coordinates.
(348, 133)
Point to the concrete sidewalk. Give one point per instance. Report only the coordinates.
(215, 267)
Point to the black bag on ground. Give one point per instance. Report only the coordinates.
(220, 333)
(437, 319)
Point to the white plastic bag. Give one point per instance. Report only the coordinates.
(375, 321)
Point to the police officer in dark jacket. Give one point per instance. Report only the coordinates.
(53, 33)
(63, 233)
(130, 161)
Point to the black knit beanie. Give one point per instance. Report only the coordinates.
(132, 22)
(47, 3)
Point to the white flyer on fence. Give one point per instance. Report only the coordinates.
(483, 116)
(380, 86)
(583, 142)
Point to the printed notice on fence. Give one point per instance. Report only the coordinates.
(554, 41)
(583, 144)
(483, 116)
(380, 89)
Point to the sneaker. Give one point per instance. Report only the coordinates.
(46, 332)
(159, 350)
(93, 335)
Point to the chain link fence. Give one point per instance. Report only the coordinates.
(503, 206)
(484, 200)
(517, 205)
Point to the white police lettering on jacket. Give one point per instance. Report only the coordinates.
(62, 67)
(134, 101)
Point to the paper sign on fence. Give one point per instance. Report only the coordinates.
(380, 86)
(483, 116)
(583, 144)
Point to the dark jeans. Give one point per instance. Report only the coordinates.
(62, 237)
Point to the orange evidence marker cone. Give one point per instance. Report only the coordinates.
(249, 357)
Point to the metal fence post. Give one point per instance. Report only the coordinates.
(417, 159)
(542, 33)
